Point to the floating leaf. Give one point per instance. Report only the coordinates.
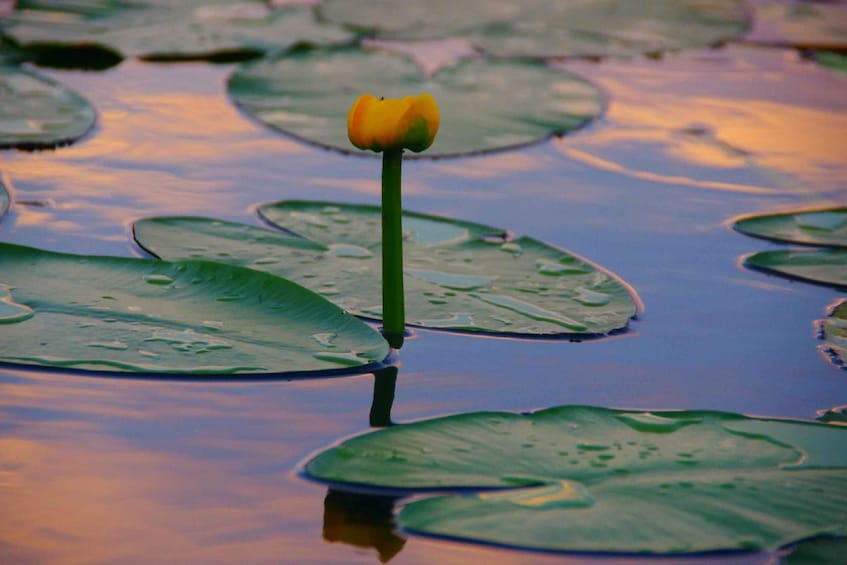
(834, 334)
(485, 105)
(835, 415)
(826, 227)
(592, 479)
(823, 550)
(36, 112)
(4, 199)
(194, 317)
(832, 60)
(166, 30)
(823, 266)
(540, 28)
(458, 275)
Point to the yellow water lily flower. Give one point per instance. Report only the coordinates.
(393, 123)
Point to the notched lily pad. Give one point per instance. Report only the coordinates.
(37, 112)
(165, 30)
(541, 28)
(823, 266)
(189, 317)
(826, 227)
(833, 331)
(458, 275)
(599, 480)
(485, 104)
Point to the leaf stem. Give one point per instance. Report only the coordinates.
(393, 308)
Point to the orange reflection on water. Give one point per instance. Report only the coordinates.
(767, 124)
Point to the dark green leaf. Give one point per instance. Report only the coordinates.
(459, 275)
(485, 105)
(36, 112)
(592, 479)
(827, 227)
(192, 317)
(834, 335)
(824, 266)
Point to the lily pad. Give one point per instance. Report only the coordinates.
(485, 104)
(540, 28)
(832, 60)
(833, 330)
(458, 275)
(824, 266)
(834, 415)
(189, 317)
(826, 227)
(823, 550)
(167, 30)
(36, 112)
(4, 199)
(576, 478)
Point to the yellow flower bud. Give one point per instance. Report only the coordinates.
(384, 124)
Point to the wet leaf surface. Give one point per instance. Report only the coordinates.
(37, 112)
(485, 104)
(192, 317)
(539, 28)
(824, 266)
(166, 30)
(458, 275)
(827, 227)
(592, 479)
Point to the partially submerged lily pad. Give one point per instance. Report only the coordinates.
(165, 29)
(593, 479)
(823, 266)
(37, 112)
(4, 199)
(485, 104)
(541, 28)
(822, 550)
(833, 331)
(189, 317)
(458, 275)
(826, 227)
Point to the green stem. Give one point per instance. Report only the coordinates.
(393, 309)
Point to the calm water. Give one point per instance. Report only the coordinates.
(98, 469)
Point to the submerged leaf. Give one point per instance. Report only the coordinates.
(541, 28)
(827, 227)
(485, 104)
(165, 29)
(36, 112)
(458, 275)
(594, 479)
(823, 266)
(189, 317)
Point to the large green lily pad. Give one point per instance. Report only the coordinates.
(823, 550)
(37, 112)
(458, 275)
(541, 28)
(826, 227)
(484, 104)
(165, 29)
(191, 317)
(823, 266)
(834, 334)
(576, 478)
